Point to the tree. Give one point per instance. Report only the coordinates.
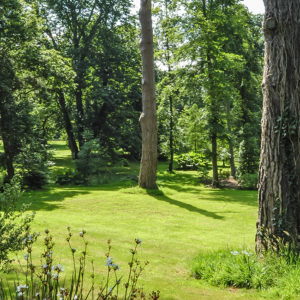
(279, 174)
(147, 176)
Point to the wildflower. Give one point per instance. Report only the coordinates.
(60, 268)
(26, 256)
(75, 297)
(245, 252)
(110, 290)
(234, 253)
(20, 294)
(115, 267)
(45, 266)
(37, 294)
(73, 250)
(54, 275)
(138, 241)
(109, 261)
(29, 237)
(22, 287)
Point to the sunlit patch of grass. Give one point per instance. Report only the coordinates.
(175, 223)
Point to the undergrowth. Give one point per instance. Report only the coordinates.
(277, 276)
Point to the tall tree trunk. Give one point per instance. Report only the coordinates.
(79, 113)
(215, 181)
(7, 136)
(279, 175)
(171, 135)
(147, 176)
(230, 143)
(68, 125)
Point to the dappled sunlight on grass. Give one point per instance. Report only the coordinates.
(175, 222)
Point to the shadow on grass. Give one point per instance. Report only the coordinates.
(47, 199)
(159, 195)
(243, 197)
(190, 183)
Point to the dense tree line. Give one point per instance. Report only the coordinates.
(72, 69)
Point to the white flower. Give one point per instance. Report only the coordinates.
(37, 294)
(22, 287)
(234, 253)
(20, 294)
(245, 252)
(75, 297)
(60, 268)
(115, 266)
(109, 261)
(26, 256)
(54, 275)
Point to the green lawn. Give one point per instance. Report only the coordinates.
(175, 223)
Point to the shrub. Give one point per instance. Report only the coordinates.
(91, 158)
(243, 269)
(69, 176)
(224, 174)
(46, 280)
(32, 163)
(248, 181)
(14, 225)
(190, 161)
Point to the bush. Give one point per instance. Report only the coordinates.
(239, 269)
(46, 280)
(91, 158)
(190, 161)
(69, 176)
(243, 269)
(248, 181)
(224, 174)
(32, 163)
(14, 225)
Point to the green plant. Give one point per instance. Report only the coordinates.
(190, 161)
(46, 280)
(248, 181)
(243, 269)
(14, 225)
(91, 158)
(33, 162)
(224, 174)
(69, 176)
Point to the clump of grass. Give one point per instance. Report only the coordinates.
(45, 280)
(243, 269)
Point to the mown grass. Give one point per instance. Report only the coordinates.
(175, 223)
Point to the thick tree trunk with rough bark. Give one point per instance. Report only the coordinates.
(68, 125)
(279, 178)
(147, 176)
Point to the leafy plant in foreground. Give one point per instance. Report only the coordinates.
(14, 224)
(243, 269)
(46, 280)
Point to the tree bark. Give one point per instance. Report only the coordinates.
(171, 140)
(279, 175)
(230, 143)
(215, 180)
(68, 125)
(147, 176)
